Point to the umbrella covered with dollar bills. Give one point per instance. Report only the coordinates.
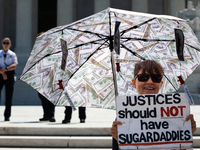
(74, 64)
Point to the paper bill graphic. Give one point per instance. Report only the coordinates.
(102, 84)
(92, 97)
(91, 78)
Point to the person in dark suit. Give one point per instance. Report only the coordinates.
(68, 114)
(48, 109)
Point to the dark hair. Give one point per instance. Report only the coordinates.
(39, 34)
(150, 66)
(7, 39)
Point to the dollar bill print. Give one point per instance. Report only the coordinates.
(77, 78)
(105, 93)
(108, 101)
(34, 81)
(91, 78)
(121, 80)
(102, 84)
(83, 58)
(71, 64)
(103, 72)
(129, 73)
(92, 96)
(78, 100)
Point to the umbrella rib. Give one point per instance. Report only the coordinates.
(38, 61)
(136, 26)
(99, 35)
(144, 59)
(146, 39)
(86, 60)
(132, 52)
(192, 46)
(170, 82)
(92, 42)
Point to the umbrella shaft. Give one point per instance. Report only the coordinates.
(114, 73)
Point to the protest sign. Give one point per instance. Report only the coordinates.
(154, 121)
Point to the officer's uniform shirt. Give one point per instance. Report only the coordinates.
(8, 60)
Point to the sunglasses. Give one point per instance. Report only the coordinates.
(145, 77)
(6, 43)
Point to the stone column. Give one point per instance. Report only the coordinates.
(64, 12)
(24, 26)
(140, 5)
(175, 6)
(100, 5)
(2, 20)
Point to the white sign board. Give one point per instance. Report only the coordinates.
(154, 121)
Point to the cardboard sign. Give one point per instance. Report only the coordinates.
(154, 121)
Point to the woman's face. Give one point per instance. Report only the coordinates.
(6, 45)
(148, 87)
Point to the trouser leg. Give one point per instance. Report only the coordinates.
(114, 144)
(1, 84)
(68, 112)
(82, 114)
(44, 105)
(9, 88)
(51, 107)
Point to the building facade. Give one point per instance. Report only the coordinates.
(21, 20)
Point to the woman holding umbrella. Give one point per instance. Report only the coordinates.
(147, 80)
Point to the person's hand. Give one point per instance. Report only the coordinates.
(113, 129)
(2, 71)
(193, 122)
(5, 77)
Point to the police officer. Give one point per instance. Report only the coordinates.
(8, 63)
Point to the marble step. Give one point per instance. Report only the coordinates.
(57, 141)
(196, 141)
(55, 131)
(60, 131)
(12, 148)
(65, 141)
(63, 148)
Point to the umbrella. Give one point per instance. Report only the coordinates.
(87, 72)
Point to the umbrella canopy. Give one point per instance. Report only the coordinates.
(88, 76)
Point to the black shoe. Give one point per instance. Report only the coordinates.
(44, 119)
(65, 121)
(52, 120)
(7, 119)
(82, 121)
